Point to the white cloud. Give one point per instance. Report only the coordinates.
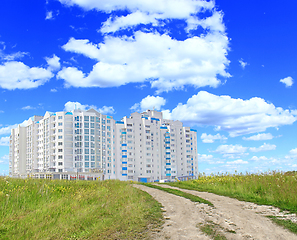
(54, 90)
(165, 8)
(13, 56)
(105, 110)
(293, 151)
(149, 102)
(239, 161)
(69, 106)
(236, 116)
(49, 15)
(205, 158)
(7, 130)
(264, 147)
(4, 141)
(28, 108)
(259, 137)
(231, 151)
(262, 158)
(167, 63)
(242, 63)
(4, 159)
(211, 138)
(149, 55)
(288, 81)
(17, 75)
(53, 63)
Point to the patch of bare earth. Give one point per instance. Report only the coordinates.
(231, 218)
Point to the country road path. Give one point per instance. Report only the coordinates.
(232, 218)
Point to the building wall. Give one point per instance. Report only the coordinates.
(142, 147)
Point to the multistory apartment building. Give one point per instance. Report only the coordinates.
(143, 147)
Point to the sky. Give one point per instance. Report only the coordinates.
(224, 68)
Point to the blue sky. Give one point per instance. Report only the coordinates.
(225, 68)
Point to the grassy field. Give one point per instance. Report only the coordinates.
(47, 209)
(273, 188)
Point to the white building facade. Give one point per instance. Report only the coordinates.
(143, 147)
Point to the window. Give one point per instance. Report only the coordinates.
(86, 125)
(86, 131)
(60, 150)
(60, 117)
(87, 158)
(86, 118)
(86, 138)
(60, 143)
(87, 151)
(60, 124)
(60, 157)
(87, 144)
(60, 163)
(92, 125)
(60, 137)
(60, 130)
(87, 164)
(92, 119)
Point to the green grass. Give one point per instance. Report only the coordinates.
(189, 196)
(211, 229)
(273, 188)
(285, 223)
(52, 209)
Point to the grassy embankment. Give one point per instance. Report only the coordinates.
(47, 209)
(177, 192)
(273, 188)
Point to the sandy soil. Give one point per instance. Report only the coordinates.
(232, 218)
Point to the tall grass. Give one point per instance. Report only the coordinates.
(54, 209)
(270, 188)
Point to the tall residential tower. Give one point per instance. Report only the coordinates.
(143, 147)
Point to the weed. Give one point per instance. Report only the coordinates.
(193, 198)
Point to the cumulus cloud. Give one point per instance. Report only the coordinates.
(149, 102)
(53, 63)
(17, 75)
(239, 161)
(288, 81)
(262, 158)
(264, 147)
(49, 15)
(236, 116)
(259, 137)
(232, 151)
(165, 8)
(106, 110)
(211, 138)
(242, 63)
(293, 151)
(151, 54)
(4, 141)
(69, 106)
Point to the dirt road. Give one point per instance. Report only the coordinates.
(232, 218)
